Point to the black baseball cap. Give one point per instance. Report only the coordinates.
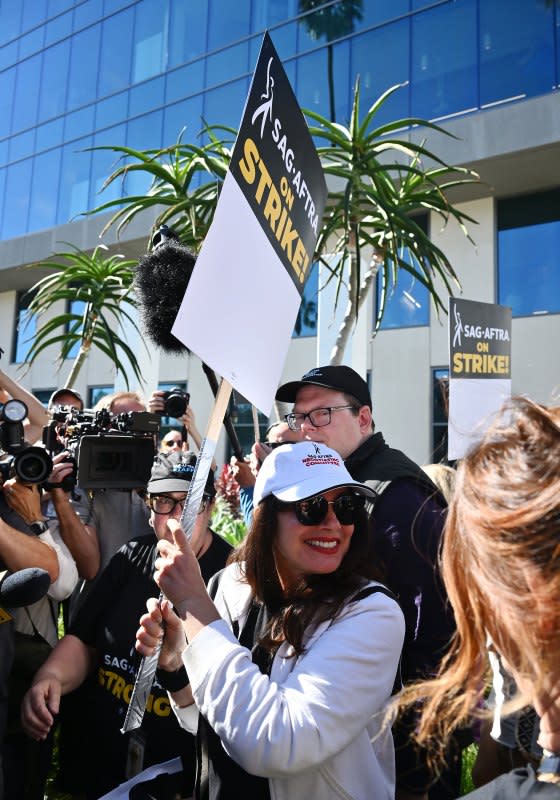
(59, 392)
(343, 379)
(173, 472)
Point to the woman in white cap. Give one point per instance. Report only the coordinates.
(292, 664)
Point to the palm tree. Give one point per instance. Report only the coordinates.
(186, 180)
(96, 291)
(371, 206)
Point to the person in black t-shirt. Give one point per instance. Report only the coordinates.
(501, 569)
(100, 644)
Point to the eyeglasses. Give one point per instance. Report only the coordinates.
(163, 504)
(173, 443)
(318, 417)
(313, 511)
(272, 445)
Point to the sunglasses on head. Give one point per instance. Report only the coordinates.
(313, 511)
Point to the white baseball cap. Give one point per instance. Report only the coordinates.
(301, 470)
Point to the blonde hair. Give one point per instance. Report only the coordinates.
(107, 400)
(443, 477)
(501, 568)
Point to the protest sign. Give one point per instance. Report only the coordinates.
(479, 369)
(242, 301)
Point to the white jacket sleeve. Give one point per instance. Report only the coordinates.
(310, 708)
(67, 571)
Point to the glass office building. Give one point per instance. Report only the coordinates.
(78, 74)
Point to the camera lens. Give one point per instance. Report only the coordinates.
(176, 401)
(33, 465)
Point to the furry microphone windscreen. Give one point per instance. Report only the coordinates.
(161, 280)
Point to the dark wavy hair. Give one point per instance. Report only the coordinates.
(318, 597)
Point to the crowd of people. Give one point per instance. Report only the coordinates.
(347, 647)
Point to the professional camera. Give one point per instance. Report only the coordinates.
(110, 451)
(176, 402)
(26, 462)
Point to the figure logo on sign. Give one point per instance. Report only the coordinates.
(458, 328)
(265, 109)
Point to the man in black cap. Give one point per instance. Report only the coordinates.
(332, 405)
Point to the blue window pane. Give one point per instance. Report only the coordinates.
(150, 39)
(327, 24)
(372, 58)
(58, 6)
(444, 80)
(86, 13)
(7, 89)
(116, 53)
(22, 146)
(228, 22)
(18, 185)
(225, 105)
(4, 146)
(323, 80)
(516, 49)
(2, 187)
(10, 21)
(8, 55)
(103, 163)
(284, 39)
(26, 99)
(184, 81)
(227, 64)
(82, 81)
(55, 71)
(270, 12)
(109, 112)
(31, 43)
(187, 114)
(50, 134)
(74, 181)
(407, 304)
(79, 123)
(306, 321)
(58, 28)
(146, 97)
(143, 133)
(34, 12)
(529, 278)
(44, 190)
(380, 13)
(187, 32)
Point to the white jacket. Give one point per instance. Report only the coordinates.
(313, 727)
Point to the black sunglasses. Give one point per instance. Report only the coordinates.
(313, 511)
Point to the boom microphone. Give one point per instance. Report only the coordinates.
(161, 280)
(25, 587)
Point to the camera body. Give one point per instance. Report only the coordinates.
(28, 463)
(176, 402)
(109, 451)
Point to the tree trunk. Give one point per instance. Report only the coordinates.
(77, 365)
(351, 314)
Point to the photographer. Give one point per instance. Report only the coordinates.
(37, 416)
(28, 538)
(159, 404)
